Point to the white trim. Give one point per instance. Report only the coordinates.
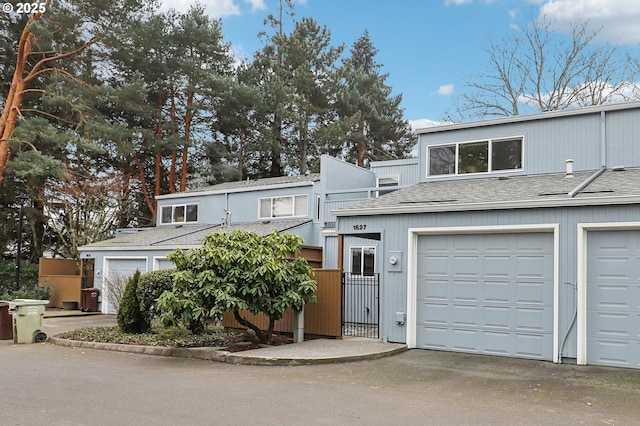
(497, 205)
(156, 262)
(105, 271)
(597, 109)
(412, 260)
(581, 279)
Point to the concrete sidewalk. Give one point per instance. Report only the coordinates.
(317, 351)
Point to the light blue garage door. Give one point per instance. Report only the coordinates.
(613, 298)
(116, 275)
(486, 293)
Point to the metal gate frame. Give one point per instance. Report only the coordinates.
(361, 305)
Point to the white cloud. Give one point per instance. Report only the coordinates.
(618, 18)
(422, 123)
(214, 8)
(256, 4)
(456, 2)
(445, 90)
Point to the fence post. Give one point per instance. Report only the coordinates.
(298, 326)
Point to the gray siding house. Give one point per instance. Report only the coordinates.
(520, 238)
(298, 204)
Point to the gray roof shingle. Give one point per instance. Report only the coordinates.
(457, 193)
(185, 235)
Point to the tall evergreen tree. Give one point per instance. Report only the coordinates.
(376, 128)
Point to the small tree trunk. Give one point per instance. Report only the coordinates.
(243, 322)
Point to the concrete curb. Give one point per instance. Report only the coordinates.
(222, 355)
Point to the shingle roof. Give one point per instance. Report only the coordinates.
(282, 180)
(458, 194)
(186, 235)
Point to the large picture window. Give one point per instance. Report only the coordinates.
(294, 205)
(179, 213)
(487, 156)
(363, 260)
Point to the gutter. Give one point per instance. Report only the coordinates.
(497, 205)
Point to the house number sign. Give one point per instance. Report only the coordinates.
(359, 227)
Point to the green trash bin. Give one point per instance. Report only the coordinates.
(27, 320)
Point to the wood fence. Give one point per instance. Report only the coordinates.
(320, 319)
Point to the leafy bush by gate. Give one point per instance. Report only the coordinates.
(235, 271)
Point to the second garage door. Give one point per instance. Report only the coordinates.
(613, 298)
(486, 293)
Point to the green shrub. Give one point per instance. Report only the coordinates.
(29, 288)
(130, 317)
(150, 287)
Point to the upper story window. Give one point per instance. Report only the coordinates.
(387, 182)
(487, 156)
(288, 206)
(179, 213)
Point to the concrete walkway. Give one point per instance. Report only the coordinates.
(317, 351)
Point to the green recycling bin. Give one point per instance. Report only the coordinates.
(27, 320)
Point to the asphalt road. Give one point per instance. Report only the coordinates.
(47, 384)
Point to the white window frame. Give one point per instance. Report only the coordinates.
(294, 213)
(173, 209)
(361, 272)
(490, 170)
(387, 188)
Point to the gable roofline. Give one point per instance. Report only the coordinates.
(248, 186)
(530, 117)
(495, 205)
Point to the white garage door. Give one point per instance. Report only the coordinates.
(613, 298)
(486, 293)
(117, 271)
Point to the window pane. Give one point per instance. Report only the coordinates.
(166, 214)
(473, 157)
(178, 214)
(387, 181)
(442, 160)
(282, 207)
(369, 261)
(302, 206)
(356, 261)
(192, 212)
(265, 207)
(506, 155)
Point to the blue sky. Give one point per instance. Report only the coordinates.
(428, 47)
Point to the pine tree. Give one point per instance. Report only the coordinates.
(375, 128)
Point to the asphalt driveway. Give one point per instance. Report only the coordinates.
(47, 384)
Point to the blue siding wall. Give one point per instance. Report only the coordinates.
(394, 230)
(552, 138)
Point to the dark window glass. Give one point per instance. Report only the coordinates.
(356, 261)
(192, 212)
(506, 155)
(369, 261)
(473, 157)
(178, 214)
(442, 160)
(166, 214)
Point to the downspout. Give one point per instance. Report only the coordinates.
(603, 158)
(573, 321)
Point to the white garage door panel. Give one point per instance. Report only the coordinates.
(122, 268)
(486, 293)
(613, 298)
